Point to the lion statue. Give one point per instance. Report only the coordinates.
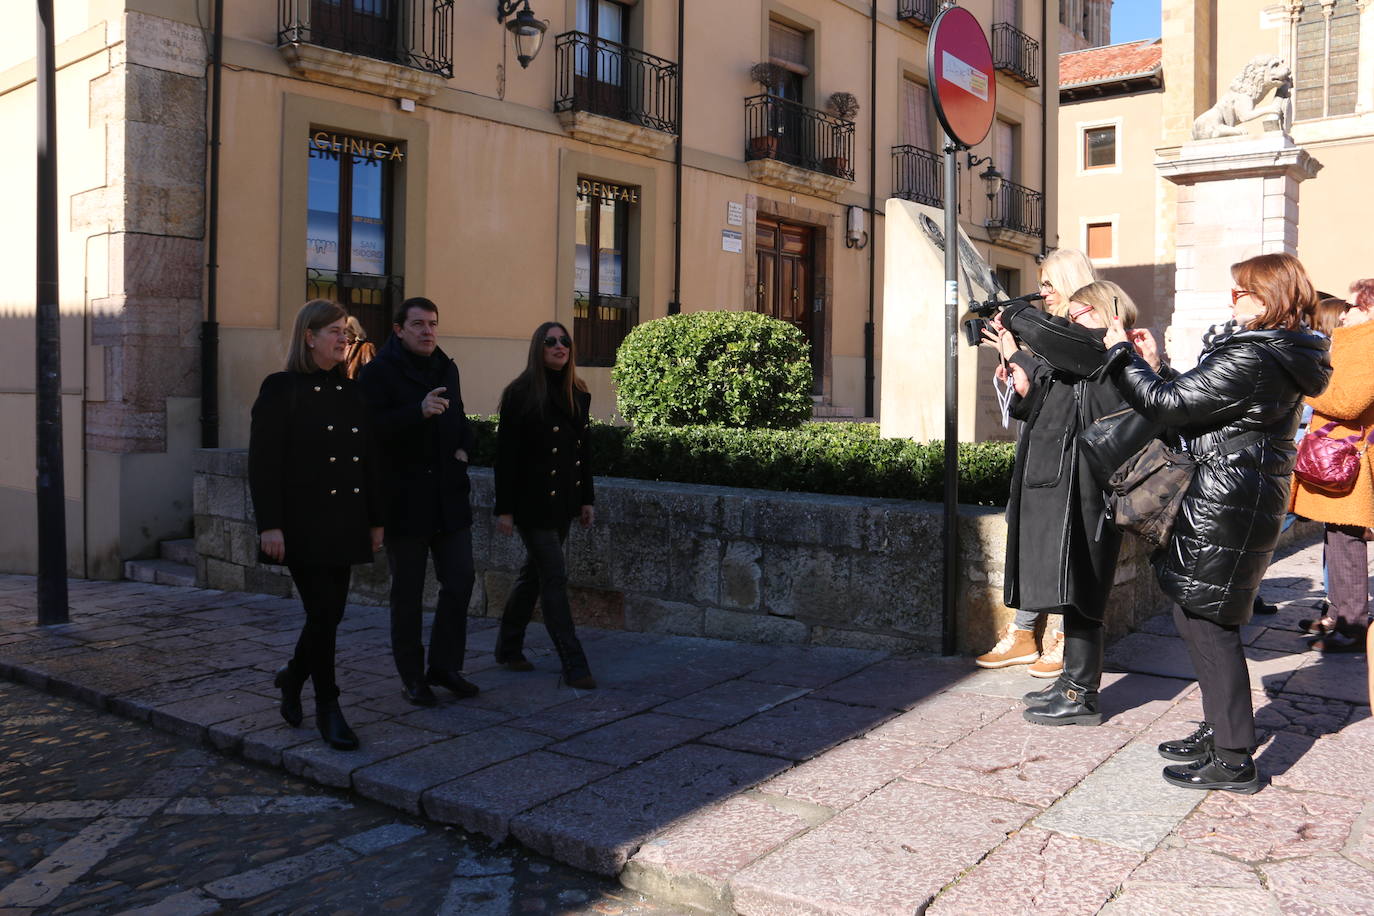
(1241, 103)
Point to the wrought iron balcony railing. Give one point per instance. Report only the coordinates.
(1018, 208)
(918, 175)
(601, 77)
(600, 323)
(797, 135)
(1016, 53)
(919, 12)
(413, 33)
(371, 298)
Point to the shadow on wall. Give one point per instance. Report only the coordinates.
(1151, 286)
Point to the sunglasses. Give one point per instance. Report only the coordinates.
(1237, 293)
(552, 341)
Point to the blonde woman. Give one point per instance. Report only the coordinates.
(361, 351)
(1064, 271)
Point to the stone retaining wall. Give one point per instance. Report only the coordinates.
(747, 565)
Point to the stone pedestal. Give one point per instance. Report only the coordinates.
(1237, 198)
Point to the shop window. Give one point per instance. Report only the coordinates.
(1100, 241)
(603, 309)
(1326, 76)
(350, 256)
(1099, 147)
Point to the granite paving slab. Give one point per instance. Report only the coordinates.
(800, 729)
(732, 701)
(900, 846)
(1165, 656)
(943, 719)
(814, 667)
(631, 740)
(1195, 867)
(1339, 677)
(1132, 701)
(1273, 824)
(848, 773)
(589, 711)
(897, 683)
(1320, 885)
(399, 781)
(1036, 871)
(1163, 899)
(379, 740)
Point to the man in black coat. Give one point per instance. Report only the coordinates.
(416, 405)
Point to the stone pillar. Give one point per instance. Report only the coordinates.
(1188, 59)
(1237, 198)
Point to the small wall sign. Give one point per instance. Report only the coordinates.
(731, 240)
(734, 213)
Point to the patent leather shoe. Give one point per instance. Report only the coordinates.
(417, 693)
(454, 682)
(1068, 704)
(290, 685)
(1194, 747)
(1211, 772)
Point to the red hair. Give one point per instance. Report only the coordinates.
(1362, 293)
(1281, 283)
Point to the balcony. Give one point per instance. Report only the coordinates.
(1017, 217)
(600, 324)
(1016, 54)
(918, 175)
(798, 148)
(920, 13)
(615, 95)
(395, 48)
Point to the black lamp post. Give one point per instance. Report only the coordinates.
(992, 179)
(528, 31)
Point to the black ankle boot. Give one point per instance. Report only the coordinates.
(1211, 772)
(333, 729)
(290, 683)
(1035, 697)
(576, 672)
(1194, 747)
(1069, 704)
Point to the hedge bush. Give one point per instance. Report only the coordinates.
(736, 369)
(842, 458)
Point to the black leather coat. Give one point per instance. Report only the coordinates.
(1229, 524)
(543, 460)
(426, 486)
(313, 468)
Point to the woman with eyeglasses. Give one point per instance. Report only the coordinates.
(543, 482)
(1236, 412)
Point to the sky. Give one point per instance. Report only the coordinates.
(1133, 20)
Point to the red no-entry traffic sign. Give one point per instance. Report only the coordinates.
(962, 81)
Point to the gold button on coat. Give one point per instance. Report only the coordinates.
(333, 492)
(329, 428)
(356, 490)
(332, 459)
(317, 387)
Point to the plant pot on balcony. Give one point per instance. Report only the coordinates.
(763, 148)
(835, 165)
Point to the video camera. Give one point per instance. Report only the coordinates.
(973, 327)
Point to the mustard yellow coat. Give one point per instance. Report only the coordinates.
(1349, 400)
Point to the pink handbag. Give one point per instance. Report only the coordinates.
(1330, 465)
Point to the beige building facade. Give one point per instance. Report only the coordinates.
(372, 151)
(1126, 107)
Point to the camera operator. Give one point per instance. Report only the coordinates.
(1061, 558)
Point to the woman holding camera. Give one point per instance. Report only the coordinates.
(1236, 412)
(1061, 557)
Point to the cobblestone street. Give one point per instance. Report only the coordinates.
(102, 815)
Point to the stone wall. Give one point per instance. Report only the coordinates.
(747, 565)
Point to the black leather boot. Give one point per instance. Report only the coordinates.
(290, 682)
(576, 672)
(1211, 772)
(1070, 704)
(1041, 695)
(1194, 747)
(333, 728)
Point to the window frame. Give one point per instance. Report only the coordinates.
(1081, 129)
(1113, 222)
(621, 226)
(1356, 12)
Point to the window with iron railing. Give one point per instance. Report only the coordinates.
(918, 12)
(917, 175)
(797, 135)
(1016, 53)
(413, 33)
(1018, 208)
(606, 78)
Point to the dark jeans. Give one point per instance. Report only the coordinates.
(324, 592)
(406, 556)
(1222, 677)
(1347, 567)
(544, 577)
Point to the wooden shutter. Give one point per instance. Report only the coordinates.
(1099, 241)
(787, 46)
(916, 130)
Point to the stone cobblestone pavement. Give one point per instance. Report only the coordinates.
(781, 780)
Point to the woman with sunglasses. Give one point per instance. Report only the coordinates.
(1236, 411)
(543, 482)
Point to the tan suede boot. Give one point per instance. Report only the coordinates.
(1014, 647)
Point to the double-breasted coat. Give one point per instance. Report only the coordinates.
(543, 458)
(426, 485)
(1229, 522)
(1059, 551)
(313, 470)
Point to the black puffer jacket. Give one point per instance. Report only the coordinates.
(1229, 524)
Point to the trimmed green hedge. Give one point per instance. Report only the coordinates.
(842, 458)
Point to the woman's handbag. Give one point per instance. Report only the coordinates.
(1145, 492)
(1330, 465)
(1110, 440)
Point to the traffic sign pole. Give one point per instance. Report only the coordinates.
(950, 587)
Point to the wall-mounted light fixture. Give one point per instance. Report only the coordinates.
(528, 31)
(992, 179)
(855, 236)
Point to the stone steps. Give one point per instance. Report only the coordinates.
(175, 565)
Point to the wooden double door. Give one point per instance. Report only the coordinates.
(786, 282)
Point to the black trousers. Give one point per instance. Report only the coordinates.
(1219, 660)
(1083, 649)
(324, 592)
(406, 556)
(543, 577)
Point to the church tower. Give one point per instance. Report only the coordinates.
(1084, 24)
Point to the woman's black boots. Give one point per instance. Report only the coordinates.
(576, 672)
(1073, 700)
(329, 717)
(290, 681)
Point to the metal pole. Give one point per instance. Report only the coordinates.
(51, 492)
(950, 590)
(209, 327)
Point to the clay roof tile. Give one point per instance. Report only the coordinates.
(1134, 58)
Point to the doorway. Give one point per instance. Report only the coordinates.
(786, 283)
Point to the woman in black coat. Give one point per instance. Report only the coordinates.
(1236, 412)
(1060, 556)
(316, 494)
(543, 482)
